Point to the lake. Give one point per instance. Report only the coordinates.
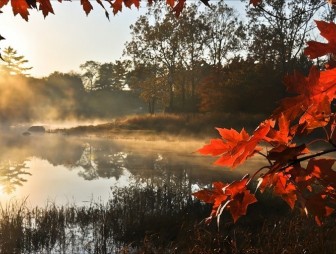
(71, 194)
(70, 169)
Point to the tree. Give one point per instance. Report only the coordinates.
(312, 187)
(13, 63)
(159, 44)
(150, 83)
(223, 34)
(229, 88)
(181, 48)
(105, 76)
(63, 96)
(12, 175)
(90, 75)
(111, 76)
(278, 30)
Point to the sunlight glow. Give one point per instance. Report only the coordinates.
(63, 41)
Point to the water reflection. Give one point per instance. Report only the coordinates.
(99, 162)
(12, 174)
(59, 162)
(137, 195)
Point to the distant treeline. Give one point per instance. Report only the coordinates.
(59, 97)
(207, 61)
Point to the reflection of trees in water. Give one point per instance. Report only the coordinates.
(11, 175)
(161, 173)
(97, 158)
(107, 160)
(56, 149)
(102, 162)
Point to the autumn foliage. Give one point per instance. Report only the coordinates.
(294, 172)
(22, 7)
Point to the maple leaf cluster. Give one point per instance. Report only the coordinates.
(22, 7)
(301, 177)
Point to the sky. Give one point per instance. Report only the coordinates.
(64, 41)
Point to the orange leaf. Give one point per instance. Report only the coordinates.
(3, 3)
(216, 147)
(171, 3)
(282, 135)
(87, 7)
(255, 2)
(215, 196)
(236, 147)
(317, 49)
(317, 206)
(318, 115)
(322, 170)
(20, 7)
(45, 7)
(239, 204)
(235, 196)
(283, 154)
(315, 92)
(179, 7)
(281, 187)
(117, 6)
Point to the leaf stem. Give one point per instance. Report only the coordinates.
(264, 155)
(258, 171)
(304, 158)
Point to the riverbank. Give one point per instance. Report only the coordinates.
(166, 126)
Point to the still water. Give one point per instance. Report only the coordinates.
(69, 169)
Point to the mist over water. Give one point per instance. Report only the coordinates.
(64, 169)
(60, 98)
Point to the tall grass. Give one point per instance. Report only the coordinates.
(156, 219)
(182, 124)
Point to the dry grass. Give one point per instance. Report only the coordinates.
(187, 125)
(158, 220)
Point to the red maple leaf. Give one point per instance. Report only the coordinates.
(233, 197)
(317, 49)
(317, 206)
(322, 170)
(301, 177)
(179, 7)
(45, 7)
(20, 7)
(216, 147)
(312, 102)
(129, 3)
(235, 147)
(87, 6)
(117, 6)
(318, 115)
(171, 3)
(238, 206)
(283, 154)
(281, 136)
(255, 2)
(3, 3)
(281, 186)
(216, 196)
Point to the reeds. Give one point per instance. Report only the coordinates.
(154, 219)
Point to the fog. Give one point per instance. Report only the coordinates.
(60, 98)
(80, 168)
